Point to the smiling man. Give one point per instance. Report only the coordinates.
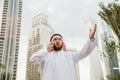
(57, 62)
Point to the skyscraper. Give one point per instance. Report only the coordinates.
(94, 59)
(109, 63)
(38, 39)
(11, 11)
(94, 71)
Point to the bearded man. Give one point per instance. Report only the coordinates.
(57, 62)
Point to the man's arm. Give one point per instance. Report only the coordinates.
(38, 57)
(87, 49)
(89, 46)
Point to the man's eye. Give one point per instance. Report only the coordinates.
(60, 39)
(54, 39)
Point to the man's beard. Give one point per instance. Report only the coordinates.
(57, 48)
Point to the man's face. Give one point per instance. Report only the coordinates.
(57, 43)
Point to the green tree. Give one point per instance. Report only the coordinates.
(110, 77)
(1, 65)
(109, 51)
(111, 15)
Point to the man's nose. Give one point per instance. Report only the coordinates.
(57, 41)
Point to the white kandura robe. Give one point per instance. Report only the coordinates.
(60, 65)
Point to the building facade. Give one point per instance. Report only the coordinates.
(96, 72)
(10, 25)
(38, 39)
(108, 63)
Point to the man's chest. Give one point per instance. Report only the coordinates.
(58, 60)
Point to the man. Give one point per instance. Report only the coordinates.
(57, 62)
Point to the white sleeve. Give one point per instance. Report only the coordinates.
(38, 57)
(87, 49)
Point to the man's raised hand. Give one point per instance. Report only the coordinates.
(92, 32)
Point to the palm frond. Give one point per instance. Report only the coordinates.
(111, 15)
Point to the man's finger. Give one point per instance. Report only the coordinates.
(94, 28)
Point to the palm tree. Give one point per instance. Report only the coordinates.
(111, 15)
